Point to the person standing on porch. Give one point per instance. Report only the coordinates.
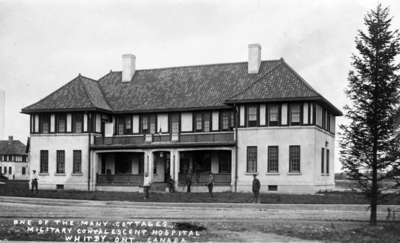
(34, 182)
(210, 184)
(256, 189)
(146, 185)
(188, 180)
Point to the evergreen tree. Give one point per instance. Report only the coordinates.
(368, 141)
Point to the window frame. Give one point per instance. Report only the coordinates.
(251, 159)
(43, 119)
(252, 123)
(290, 112)
(75, 168)
(268, 115)
(174, 118)
(292, 162)
(327, 162)
(44, 161)
(60, 161)
(322, 160)
(57, 122)
(270, 161)
(74, 118)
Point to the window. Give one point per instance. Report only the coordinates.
(10, 158)
(77, 122)
(153, 127)
(145, 124)
(272, 188)
(174, 123)
(120, 126)
(198, 122)
(327, 161)
(60, 167)
(295, 114)
(323, 118)
(23, 170)
(77, 161)
(44, 161)
(44, 123)
(5, 170)
(59, 187)
(23, 158)
(273, 159)
(322, 161)
(9, 170)
(273, 115)
(207, 121)
(252, 116)
(294, 158)
(224, 159)
(252, 159)
(226, 120)
(128, 124)
(124, 125)
(61, 123)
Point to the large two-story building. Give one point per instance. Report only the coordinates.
(230, 119)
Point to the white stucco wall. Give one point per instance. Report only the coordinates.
(309, 139)
(16, 170)
(52, 143)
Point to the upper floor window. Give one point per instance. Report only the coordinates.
(174, 123)
(44, 123)
(227, 119)
(207, 121)
(294, 114)
(124, 125)
(149, 124)
(273, 115)
(294, 158)
(61, 123)
(77, 122)
(252, 116)
(198, 122)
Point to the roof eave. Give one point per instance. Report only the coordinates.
(31, 111)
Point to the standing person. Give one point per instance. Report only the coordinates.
(210, 184)
(188, 180)
(34, 182)
(256, 189)
(146, 185)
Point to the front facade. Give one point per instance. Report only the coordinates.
(232, 120)
(13, 159)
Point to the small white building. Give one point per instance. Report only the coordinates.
(232, 120)
(13, 159)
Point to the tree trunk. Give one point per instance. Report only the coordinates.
(374, 189)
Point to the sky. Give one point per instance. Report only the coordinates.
(45, 44)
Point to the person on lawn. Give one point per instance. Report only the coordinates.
(34, 182)
(210, 184)
(188, 180)
(256, 189)
(146, 185)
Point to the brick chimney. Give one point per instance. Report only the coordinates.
(128, 67)
(254, 61)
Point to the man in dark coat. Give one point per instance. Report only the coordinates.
(256, 189)
(188, 180)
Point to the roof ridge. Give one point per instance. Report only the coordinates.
(257, 80)
(196, 65)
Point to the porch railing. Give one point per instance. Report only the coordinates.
(120, 180)
(215, 137)
(221, 179)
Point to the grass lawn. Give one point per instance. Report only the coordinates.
(348, 197)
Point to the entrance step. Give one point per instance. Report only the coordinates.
(159, 187)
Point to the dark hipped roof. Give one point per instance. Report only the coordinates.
(13, 147)
(81, 93)
(182, 88)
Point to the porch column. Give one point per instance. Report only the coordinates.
(233, 167)
(175, 167)
(94, 157)
(149, 166)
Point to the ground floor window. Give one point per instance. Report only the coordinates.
(23, 170)
(77, 161)
(60, 168)
(252, 159)
(273, 157)
(294, 158)
(44, 161)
